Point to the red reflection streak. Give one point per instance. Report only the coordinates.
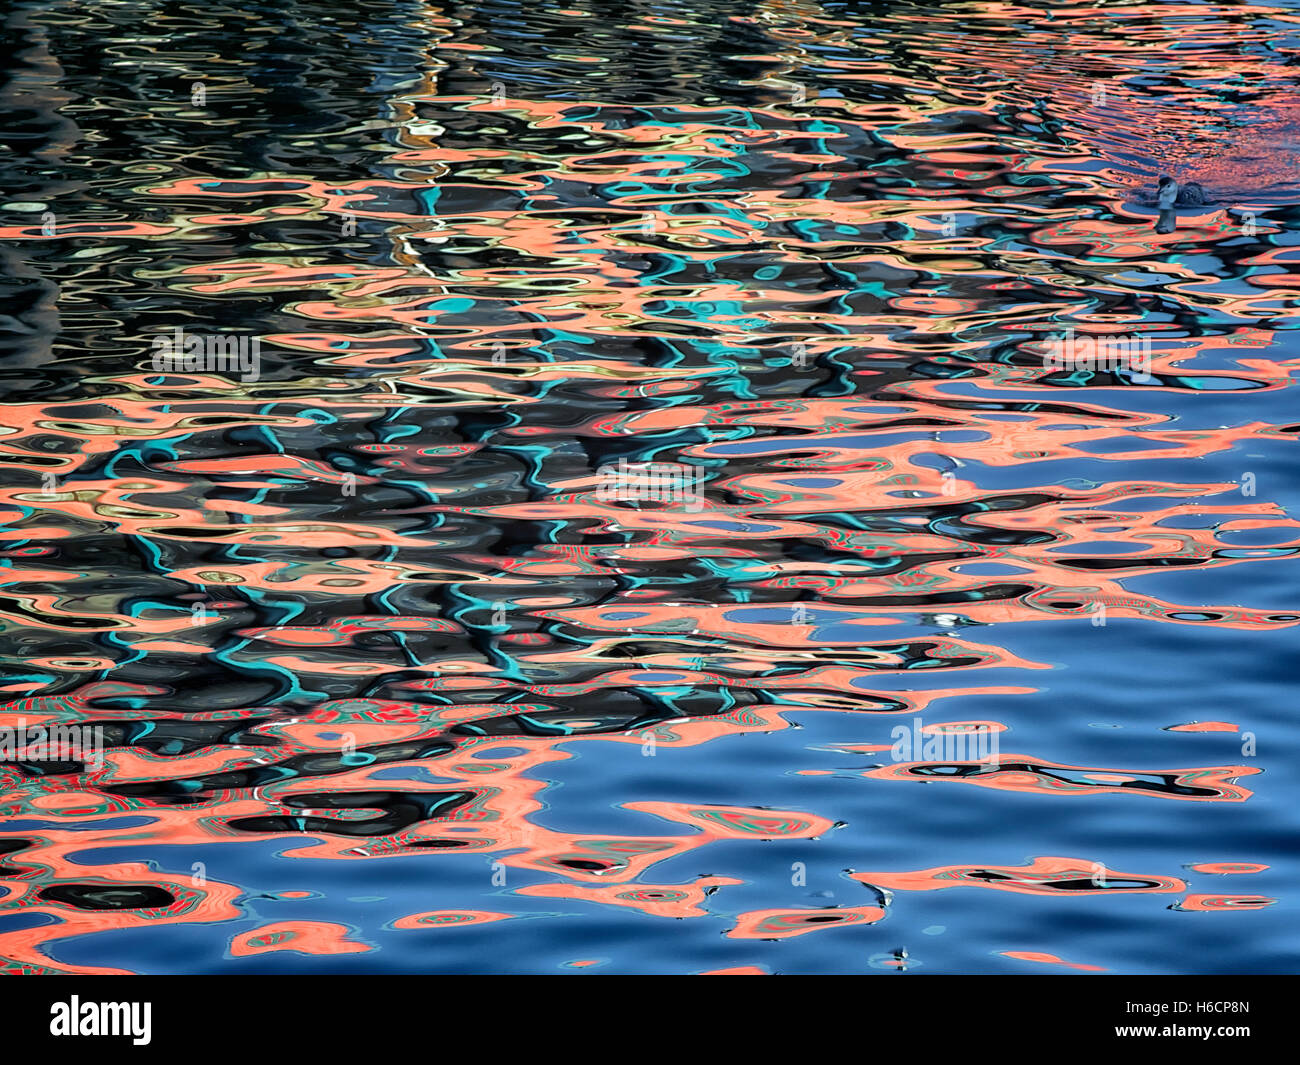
(1222, 868)
(783, 924)
(1045, 778)
(1223, 903)
(1042, 876)
(1051, 959)
(1204, 726)
(658, 900)
(302, 937)
(438, 919)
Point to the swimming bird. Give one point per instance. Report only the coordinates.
(1169, 194)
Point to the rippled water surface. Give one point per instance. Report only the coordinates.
(392, 671)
